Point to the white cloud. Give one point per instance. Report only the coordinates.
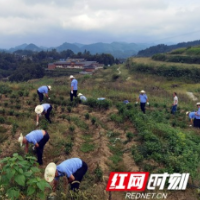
(97, 21)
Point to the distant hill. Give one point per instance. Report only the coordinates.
(20, 47)
(66, 46)
(162, 48)
(32, 47)
(117, 49)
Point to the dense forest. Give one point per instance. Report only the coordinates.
(162, 48)
(23, 65)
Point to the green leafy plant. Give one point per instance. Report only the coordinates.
(19, 178)
(87, 116)
(130, 136)
(98, 173)
(93, 120)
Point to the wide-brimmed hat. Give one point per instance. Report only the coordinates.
(20, 139)
(49, 87)
(198, 104)
(79, 94)
(50, 171)
(142, 91)
(39, 109)
(187, 112)
(71, 76)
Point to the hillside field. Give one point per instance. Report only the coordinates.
(109, 136)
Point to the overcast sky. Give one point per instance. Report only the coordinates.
(50, 23)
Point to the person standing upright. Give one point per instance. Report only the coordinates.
(175, 103)
(43, 90)
(143, 100)
(74, 87)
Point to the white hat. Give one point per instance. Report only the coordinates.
(187, 112)
(71, 76)
(142, 91)
(50, 172)
(39, 109)
(20, 139)
(198, 104)
(49, 87)
(80, 94)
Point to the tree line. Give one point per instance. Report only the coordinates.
(23, 65)
(162, 48)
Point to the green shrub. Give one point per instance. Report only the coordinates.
(87, 147)
(11, 112)
(2, 120)
(93, 120)
(130, 136)
(18, 106)
(21, 93)
(19, 178)
(5, 89)
(68, 147)
(87, 116)
(71, 128)
(69, 109)
(98, 173)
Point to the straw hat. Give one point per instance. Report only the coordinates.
(49, 87)
(50, 172)
(20, 139)
(39, 109)
(71, 76)
(142, 91)
(198, 104)
(80, 94)
(187, 112)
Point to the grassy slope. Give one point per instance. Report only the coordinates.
(96, 144)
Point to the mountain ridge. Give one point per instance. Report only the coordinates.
(117, 49)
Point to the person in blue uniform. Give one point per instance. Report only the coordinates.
(74, 169)
(37, 137)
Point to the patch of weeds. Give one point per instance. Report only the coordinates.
(117, 118)
(69, 109)
(3, 129)
(11, 112)
(98, 173)
(2, 120)
(87, 147)
(87, 116)
(93, 120)
(62, 109)
(44, 124)
(14, 128)
(68, 147)
(72, 128)
(130, 136)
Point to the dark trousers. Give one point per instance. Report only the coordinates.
(142, 106)
(47, 115)
(173, 109)
(196, 123)
(39, 150)
(41, 96)
(78, 175)
(73, 95)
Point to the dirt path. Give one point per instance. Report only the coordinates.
(191, 95)
(119, 72)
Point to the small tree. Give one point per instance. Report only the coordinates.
(19, 178)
